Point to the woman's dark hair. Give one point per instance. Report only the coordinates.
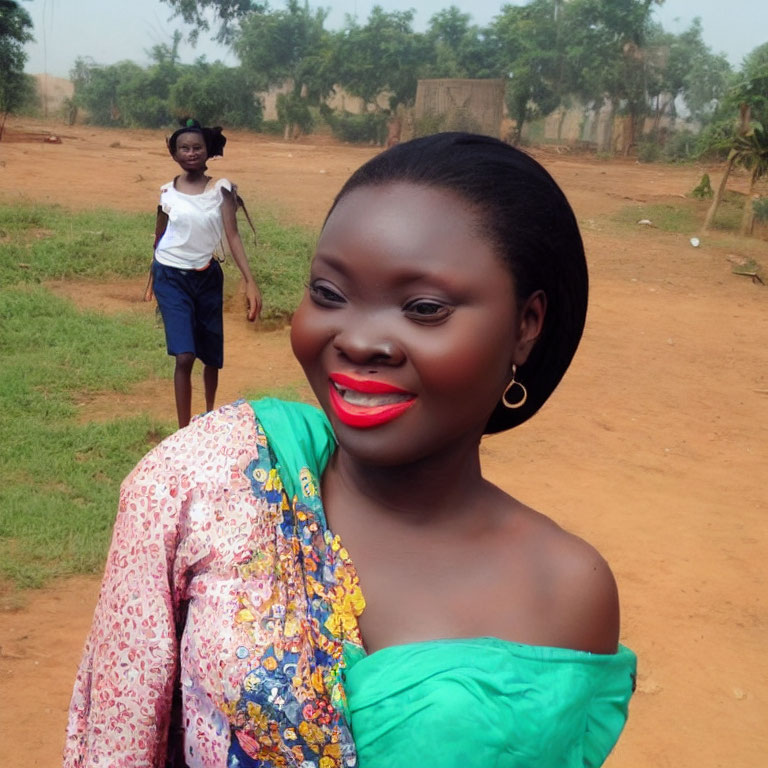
(213, 137)
(527, 217)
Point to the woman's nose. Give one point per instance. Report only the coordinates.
(366, 343)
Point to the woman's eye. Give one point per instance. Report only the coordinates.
(426, 310)
(325, 296)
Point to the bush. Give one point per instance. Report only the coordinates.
(760, 209)
(365, 128)
(649, 150)
(216, 95)
(680, 147)
(715, 141)
(273, 127)
(428, 124)
(293, 113)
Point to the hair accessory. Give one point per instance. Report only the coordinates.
(514, 383)
(190, 123)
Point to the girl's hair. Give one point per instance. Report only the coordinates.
(526, 216)
(213, 137)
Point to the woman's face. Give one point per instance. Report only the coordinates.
(191, 153)
(410, 325)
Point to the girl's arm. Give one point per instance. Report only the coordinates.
(229, 217)
(161, 222)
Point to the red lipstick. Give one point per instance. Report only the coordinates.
(366, 416)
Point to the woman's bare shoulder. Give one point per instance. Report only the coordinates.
(577, 585)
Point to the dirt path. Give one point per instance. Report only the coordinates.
(654, 447)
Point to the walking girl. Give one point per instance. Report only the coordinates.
(187, 280)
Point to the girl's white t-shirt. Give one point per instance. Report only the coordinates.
(194, 226)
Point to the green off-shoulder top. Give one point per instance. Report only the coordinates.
(486, 703)
(465, 703)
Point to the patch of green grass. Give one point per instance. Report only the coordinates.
(279, 262)
(684, 216)
(45, 242)
(288, 392)
(60, 478)
(48, 242)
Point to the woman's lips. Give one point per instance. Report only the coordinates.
(365, 403)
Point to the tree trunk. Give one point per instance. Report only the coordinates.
(748, 218)
(720, 192)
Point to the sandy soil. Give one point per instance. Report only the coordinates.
(654, 447)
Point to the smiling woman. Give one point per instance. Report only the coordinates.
(342, 587)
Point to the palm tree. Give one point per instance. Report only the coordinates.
(751, 152)
(745, 116)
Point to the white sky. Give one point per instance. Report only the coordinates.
(113, 30)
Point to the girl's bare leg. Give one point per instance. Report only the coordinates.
(211, 382)
(182, 387)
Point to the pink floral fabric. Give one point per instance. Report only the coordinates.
(272, 602)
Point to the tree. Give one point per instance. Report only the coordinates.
(226, 14)
(686, 69)
(607, 47)
(383, 55)
(750, 95)
(529, 52)
(125, 94)
(752, 83)
(215, 94)
(751, 152)
(15, 26)
(289, 46)
(459, 48)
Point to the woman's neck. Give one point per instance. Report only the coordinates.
(440, 486)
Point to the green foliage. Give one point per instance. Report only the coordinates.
(459, 48)
(429, 123)
(15, 26)
(684, 67)
(370, 127)
(680, 147)
(458, 120)
(751, 151)
(607, 53)
(226, 13)
(293, 113)
(274, 127)
(715, 140)
(126, 94)
(760, 209)
(216, 94)
(291, 45)
(530, 52)
(649, 150)
(703, 189)
(752, 83)
(384, 55)
(26, 97)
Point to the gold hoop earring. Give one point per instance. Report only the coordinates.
(510, 386)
